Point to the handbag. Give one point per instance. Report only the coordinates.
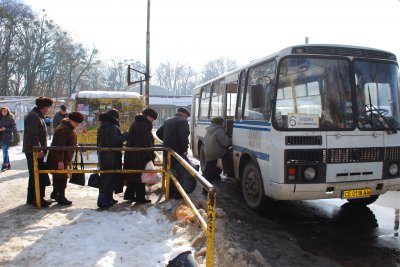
(15, 140)
(150, 178)
(77, 178)
(94, 180)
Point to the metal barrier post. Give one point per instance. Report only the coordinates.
(164, 167)
(167, 176)
(36, 179)
(212, 203)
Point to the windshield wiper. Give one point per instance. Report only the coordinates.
(379, 116)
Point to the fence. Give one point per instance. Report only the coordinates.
(208, 227)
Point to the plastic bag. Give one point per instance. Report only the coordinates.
(150, 178)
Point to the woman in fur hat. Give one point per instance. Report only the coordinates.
(7, 127)
(64, 135)
(35, 134)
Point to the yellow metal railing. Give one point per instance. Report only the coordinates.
(208, 227)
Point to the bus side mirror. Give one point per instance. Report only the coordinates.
(257, 96)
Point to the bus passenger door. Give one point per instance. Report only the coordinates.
(193, 124)
(230, 102)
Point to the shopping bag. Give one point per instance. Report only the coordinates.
(185, 179)
(77, 178)
(150, 178)
(94, 180)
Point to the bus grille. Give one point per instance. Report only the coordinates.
(303, 140)
(392, 153)
(351, 155)
(305, 156)
(345, 51)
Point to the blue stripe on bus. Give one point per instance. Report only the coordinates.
(203, 123)
(256, 154)
(252, 128)
(264, 123)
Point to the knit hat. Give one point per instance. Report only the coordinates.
(76, 116)
(150, 112)
(113, 113)
(44, 102)
(217, 120)
(184, 110)
(63, 108)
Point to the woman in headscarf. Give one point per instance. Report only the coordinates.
(140, 135)
(109, 135)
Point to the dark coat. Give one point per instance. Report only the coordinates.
(109, 135)
(64, 135)
(58, 117)
(35, 131)
(140, 135)
(175, 134)
(7, 122)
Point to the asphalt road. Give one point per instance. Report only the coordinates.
(315, 233)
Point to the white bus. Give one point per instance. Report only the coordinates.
(308, 122)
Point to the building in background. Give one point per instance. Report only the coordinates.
(164, 102)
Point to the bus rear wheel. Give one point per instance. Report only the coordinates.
(364, 201)
(252, 187)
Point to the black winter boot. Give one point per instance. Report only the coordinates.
(62, 200)
(54, 195)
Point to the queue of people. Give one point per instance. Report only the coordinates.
(174, 133)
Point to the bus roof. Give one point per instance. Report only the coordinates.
(326, 49)
(106, 94)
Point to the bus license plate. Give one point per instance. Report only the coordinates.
(357, 193)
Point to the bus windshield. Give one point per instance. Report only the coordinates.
(315, 93)
(377, 95)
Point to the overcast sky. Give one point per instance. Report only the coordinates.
(197, 31)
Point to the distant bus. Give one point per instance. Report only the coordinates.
(308, 122)
(93, 103)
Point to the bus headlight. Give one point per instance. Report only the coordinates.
(309, 173)
(393, 169)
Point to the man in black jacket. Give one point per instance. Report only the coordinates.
(59, 116)
(35, 134)
(175, 132)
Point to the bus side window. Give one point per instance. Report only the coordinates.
(204, 102)
(241, 88)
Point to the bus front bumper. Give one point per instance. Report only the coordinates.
(329, 190)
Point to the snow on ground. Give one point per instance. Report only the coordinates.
(82, 235)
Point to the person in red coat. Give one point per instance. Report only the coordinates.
(64, 135)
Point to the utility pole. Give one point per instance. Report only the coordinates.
(147, 92)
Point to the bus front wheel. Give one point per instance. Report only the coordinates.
(252, 187)
(364, 201)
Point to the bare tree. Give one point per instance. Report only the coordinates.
(179, 79)
(216, 67)
(80, 62)
(12, 15)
